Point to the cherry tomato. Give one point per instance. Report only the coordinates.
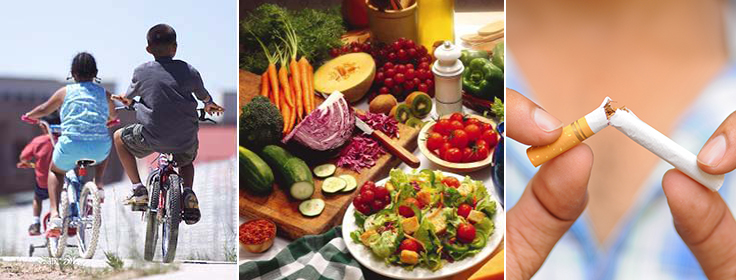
(369, 185)
(459, 139)
(410, 244)
(454, 155)
(380, 193)
(368, 195)
(490, 137)
(378, 205)
(456, 117)
(464, 210)
(469, 154)
(473, 131)
(406, 211)
(443, 150)
(456, 125)
(451, 182)
(363, 208)
(442, 127)
(466, 233)
(474, 121)
(434, 141)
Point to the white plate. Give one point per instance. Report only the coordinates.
(366, 257)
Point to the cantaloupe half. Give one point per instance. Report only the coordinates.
(352, 74)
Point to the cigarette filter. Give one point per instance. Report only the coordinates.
(573, 134)
(662, 146)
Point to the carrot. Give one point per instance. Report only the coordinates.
(284, 80)
(271, 70)
(264, 84)
(310, 79)
(297, 98)
(303, 68)
(285, 114)
(292, 120)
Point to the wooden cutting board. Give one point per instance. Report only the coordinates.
(283, 210)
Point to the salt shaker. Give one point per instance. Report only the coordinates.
(447, 72)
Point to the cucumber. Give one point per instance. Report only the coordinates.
(351, 182)
(333, 185)
(312, 207)
(293, 173)
(257, 176)
(325, 170)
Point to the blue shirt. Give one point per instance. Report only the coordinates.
(645, 244)
(84, 112)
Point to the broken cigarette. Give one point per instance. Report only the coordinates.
(573, 134)
(662, 146)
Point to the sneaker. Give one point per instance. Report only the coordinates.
(138, 198)
(54, 227)
(34, 229)
(191, 207)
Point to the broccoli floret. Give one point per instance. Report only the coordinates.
(261, 123)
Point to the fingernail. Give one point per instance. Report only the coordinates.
(545, 121)
(713, 151)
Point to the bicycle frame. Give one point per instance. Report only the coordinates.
(166, 167)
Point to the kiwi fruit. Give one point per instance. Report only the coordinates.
(382, 104)
(414, 122)
(401, 112)
(420, 103)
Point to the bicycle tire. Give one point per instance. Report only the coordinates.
(87, 249)
(172, 219)
(149, 248)
(57, 245)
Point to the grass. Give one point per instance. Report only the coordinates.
(114, 261)
(231, 254)
(63, 264)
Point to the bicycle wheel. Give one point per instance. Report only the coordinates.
(57, 245)
(90, 217)
(171, 219)
(149, 249)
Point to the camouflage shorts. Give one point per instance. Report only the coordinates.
(132, 136)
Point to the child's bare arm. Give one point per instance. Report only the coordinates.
(111, 106)
(49, 106)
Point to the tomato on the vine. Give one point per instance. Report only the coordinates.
(469, 155)
(474, 121)
(443, 127)
(459, 139)
(434, 141)
(453, 155)
(456, 125)
(456, 117)
(472, 130)
(490, 137)
(443, 150)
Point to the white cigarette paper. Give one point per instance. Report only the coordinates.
(662, 146)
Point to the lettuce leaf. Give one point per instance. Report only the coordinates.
(385, 244)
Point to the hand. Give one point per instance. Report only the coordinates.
(212, 108)
(122, 99)
(112, 122)
(28, 119)
(701, 217)
(554, 198)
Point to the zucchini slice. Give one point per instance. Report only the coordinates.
(351, 182)
(312, 207)
(325, 170)
(333, 185)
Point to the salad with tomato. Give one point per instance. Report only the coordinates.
(461, 139)
(423, 218)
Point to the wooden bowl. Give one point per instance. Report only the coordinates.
(263, 246)
(451, 166)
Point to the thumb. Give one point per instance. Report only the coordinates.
(704, 222)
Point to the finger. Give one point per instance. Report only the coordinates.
(704, 222)
(718, 155)
(532, 125)
(551, 203)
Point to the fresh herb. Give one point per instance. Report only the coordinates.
(318, 31)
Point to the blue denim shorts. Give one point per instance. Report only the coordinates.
(67, 152)
(41, 193)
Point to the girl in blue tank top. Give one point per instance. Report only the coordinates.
(85, 108)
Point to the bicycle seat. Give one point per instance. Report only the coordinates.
(85, 162)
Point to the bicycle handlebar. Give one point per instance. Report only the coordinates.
(28, 119)
(201, 113)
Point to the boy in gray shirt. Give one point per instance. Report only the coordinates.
(167, 117)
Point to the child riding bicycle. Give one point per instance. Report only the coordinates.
(84, 107)
(167, 118)
(37, 155)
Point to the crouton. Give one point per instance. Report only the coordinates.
(475, 216)
(465, 189)
(410, 225)
(409, 257)
(437, 218)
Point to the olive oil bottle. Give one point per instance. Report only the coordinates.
(435, 21)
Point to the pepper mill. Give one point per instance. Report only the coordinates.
(448, 70)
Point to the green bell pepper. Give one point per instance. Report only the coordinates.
(483, 79)
(467, 55)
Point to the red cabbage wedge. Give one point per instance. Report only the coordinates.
(327, 127)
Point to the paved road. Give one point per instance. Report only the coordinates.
(214, 238)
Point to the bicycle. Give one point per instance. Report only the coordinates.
(79, 208)
(165, 205)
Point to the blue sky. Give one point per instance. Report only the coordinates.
(39, 38)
